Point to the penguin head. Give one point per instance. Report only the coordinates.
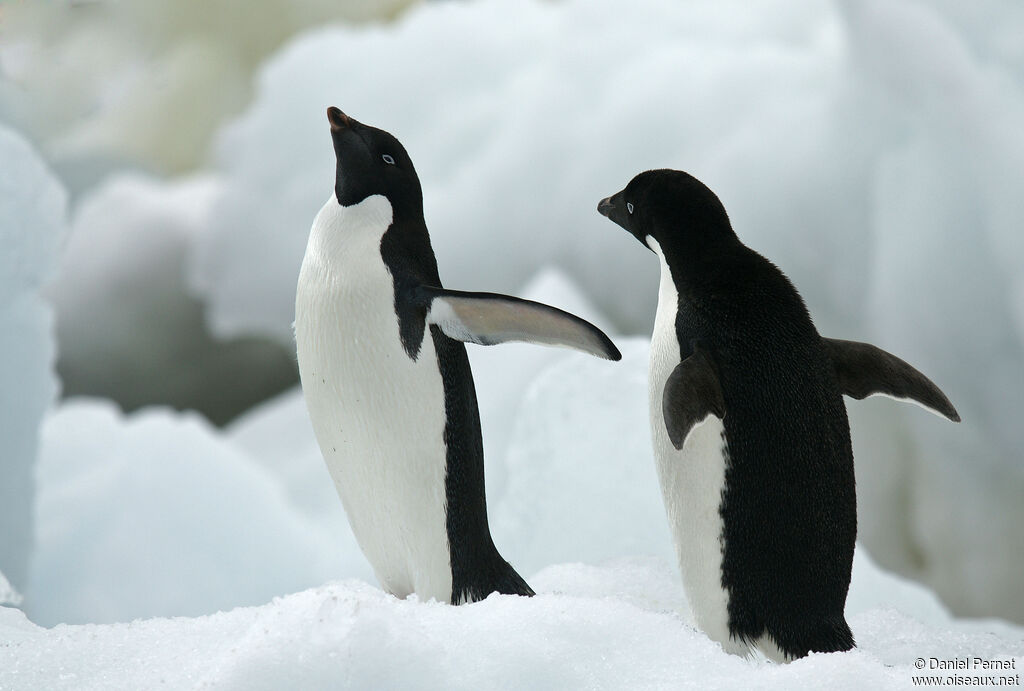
(371, 161)
(672, 207)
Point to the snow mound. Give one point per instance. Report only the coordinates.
(128, 327)
(609, 627)
(155, 514)
(581, 479)
(33, 210)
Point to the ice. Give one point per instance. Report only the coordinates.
(8, 595)
(144, 84)
(508, 187)
(615, 626)
(155, 514)
(581, 479)
(128, 327)
(870, 149)
(947, 209)
(278, 437)
(33, 222)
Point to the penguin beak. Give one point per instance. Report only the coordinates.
(339, 121)
(614, 210)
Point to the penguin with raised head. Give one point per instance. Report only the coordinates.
(387, 382)
(750, 432)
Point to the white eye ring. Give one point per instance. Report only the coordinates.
(629, 207)
(387, 159)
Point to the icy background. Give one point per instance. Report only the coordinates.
(872, 149)
(33, 221)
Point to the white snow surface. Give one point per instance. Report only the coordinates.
(871, 149)
(33, 221)
(620, 625)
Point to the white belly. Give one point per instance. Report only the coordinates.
(692, 479)
(379, 416)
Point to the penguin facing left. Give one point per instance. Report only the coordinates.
(387, 381)
(750, 432)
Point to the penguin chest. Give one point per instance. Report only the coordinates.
(378, 414)
(692, 478)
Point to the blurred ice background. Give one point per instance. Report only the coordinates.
(162, 162)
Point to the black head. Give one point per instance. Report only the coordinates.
(674, 208)
(372, 161)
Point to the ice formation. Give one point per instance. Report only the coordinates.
(108, 84)
(128, 327)
(33, 210)
(156, 514)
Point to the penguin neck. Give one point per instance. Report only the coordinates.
(695, 269)
(338, 228)
(668, 305)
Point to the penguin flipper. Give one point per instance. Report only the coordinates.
(490, 318)
(864, 370)
(692, 392)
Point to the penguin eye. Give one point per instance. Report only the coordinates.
(387, 159)
(629, 207)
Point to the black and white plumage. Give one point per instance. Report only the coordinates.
(750, 430)
(387, 382)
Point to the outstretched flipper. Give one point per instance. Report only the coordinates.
(692, 392)
(489, 318)
(864, 370)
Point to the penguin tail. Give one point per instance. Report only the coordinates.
(830, 635)
(500, 578)
(834, 636)
(511, 583)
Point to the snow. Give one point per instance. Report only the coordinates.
(156, 515)
(581, 483)
(8, 595)
(871, 149)
(614, 626)
(130, 330)
(156, 80)
(508, 187)
(32, 225)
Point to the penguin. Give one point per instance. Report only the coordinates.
(749, 426)
(386, 380)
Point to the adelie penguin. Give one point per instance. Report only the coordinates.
(387, 382)
(750, 431)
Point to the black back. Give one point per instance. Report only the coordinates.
(477, 567)
(789, 501)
